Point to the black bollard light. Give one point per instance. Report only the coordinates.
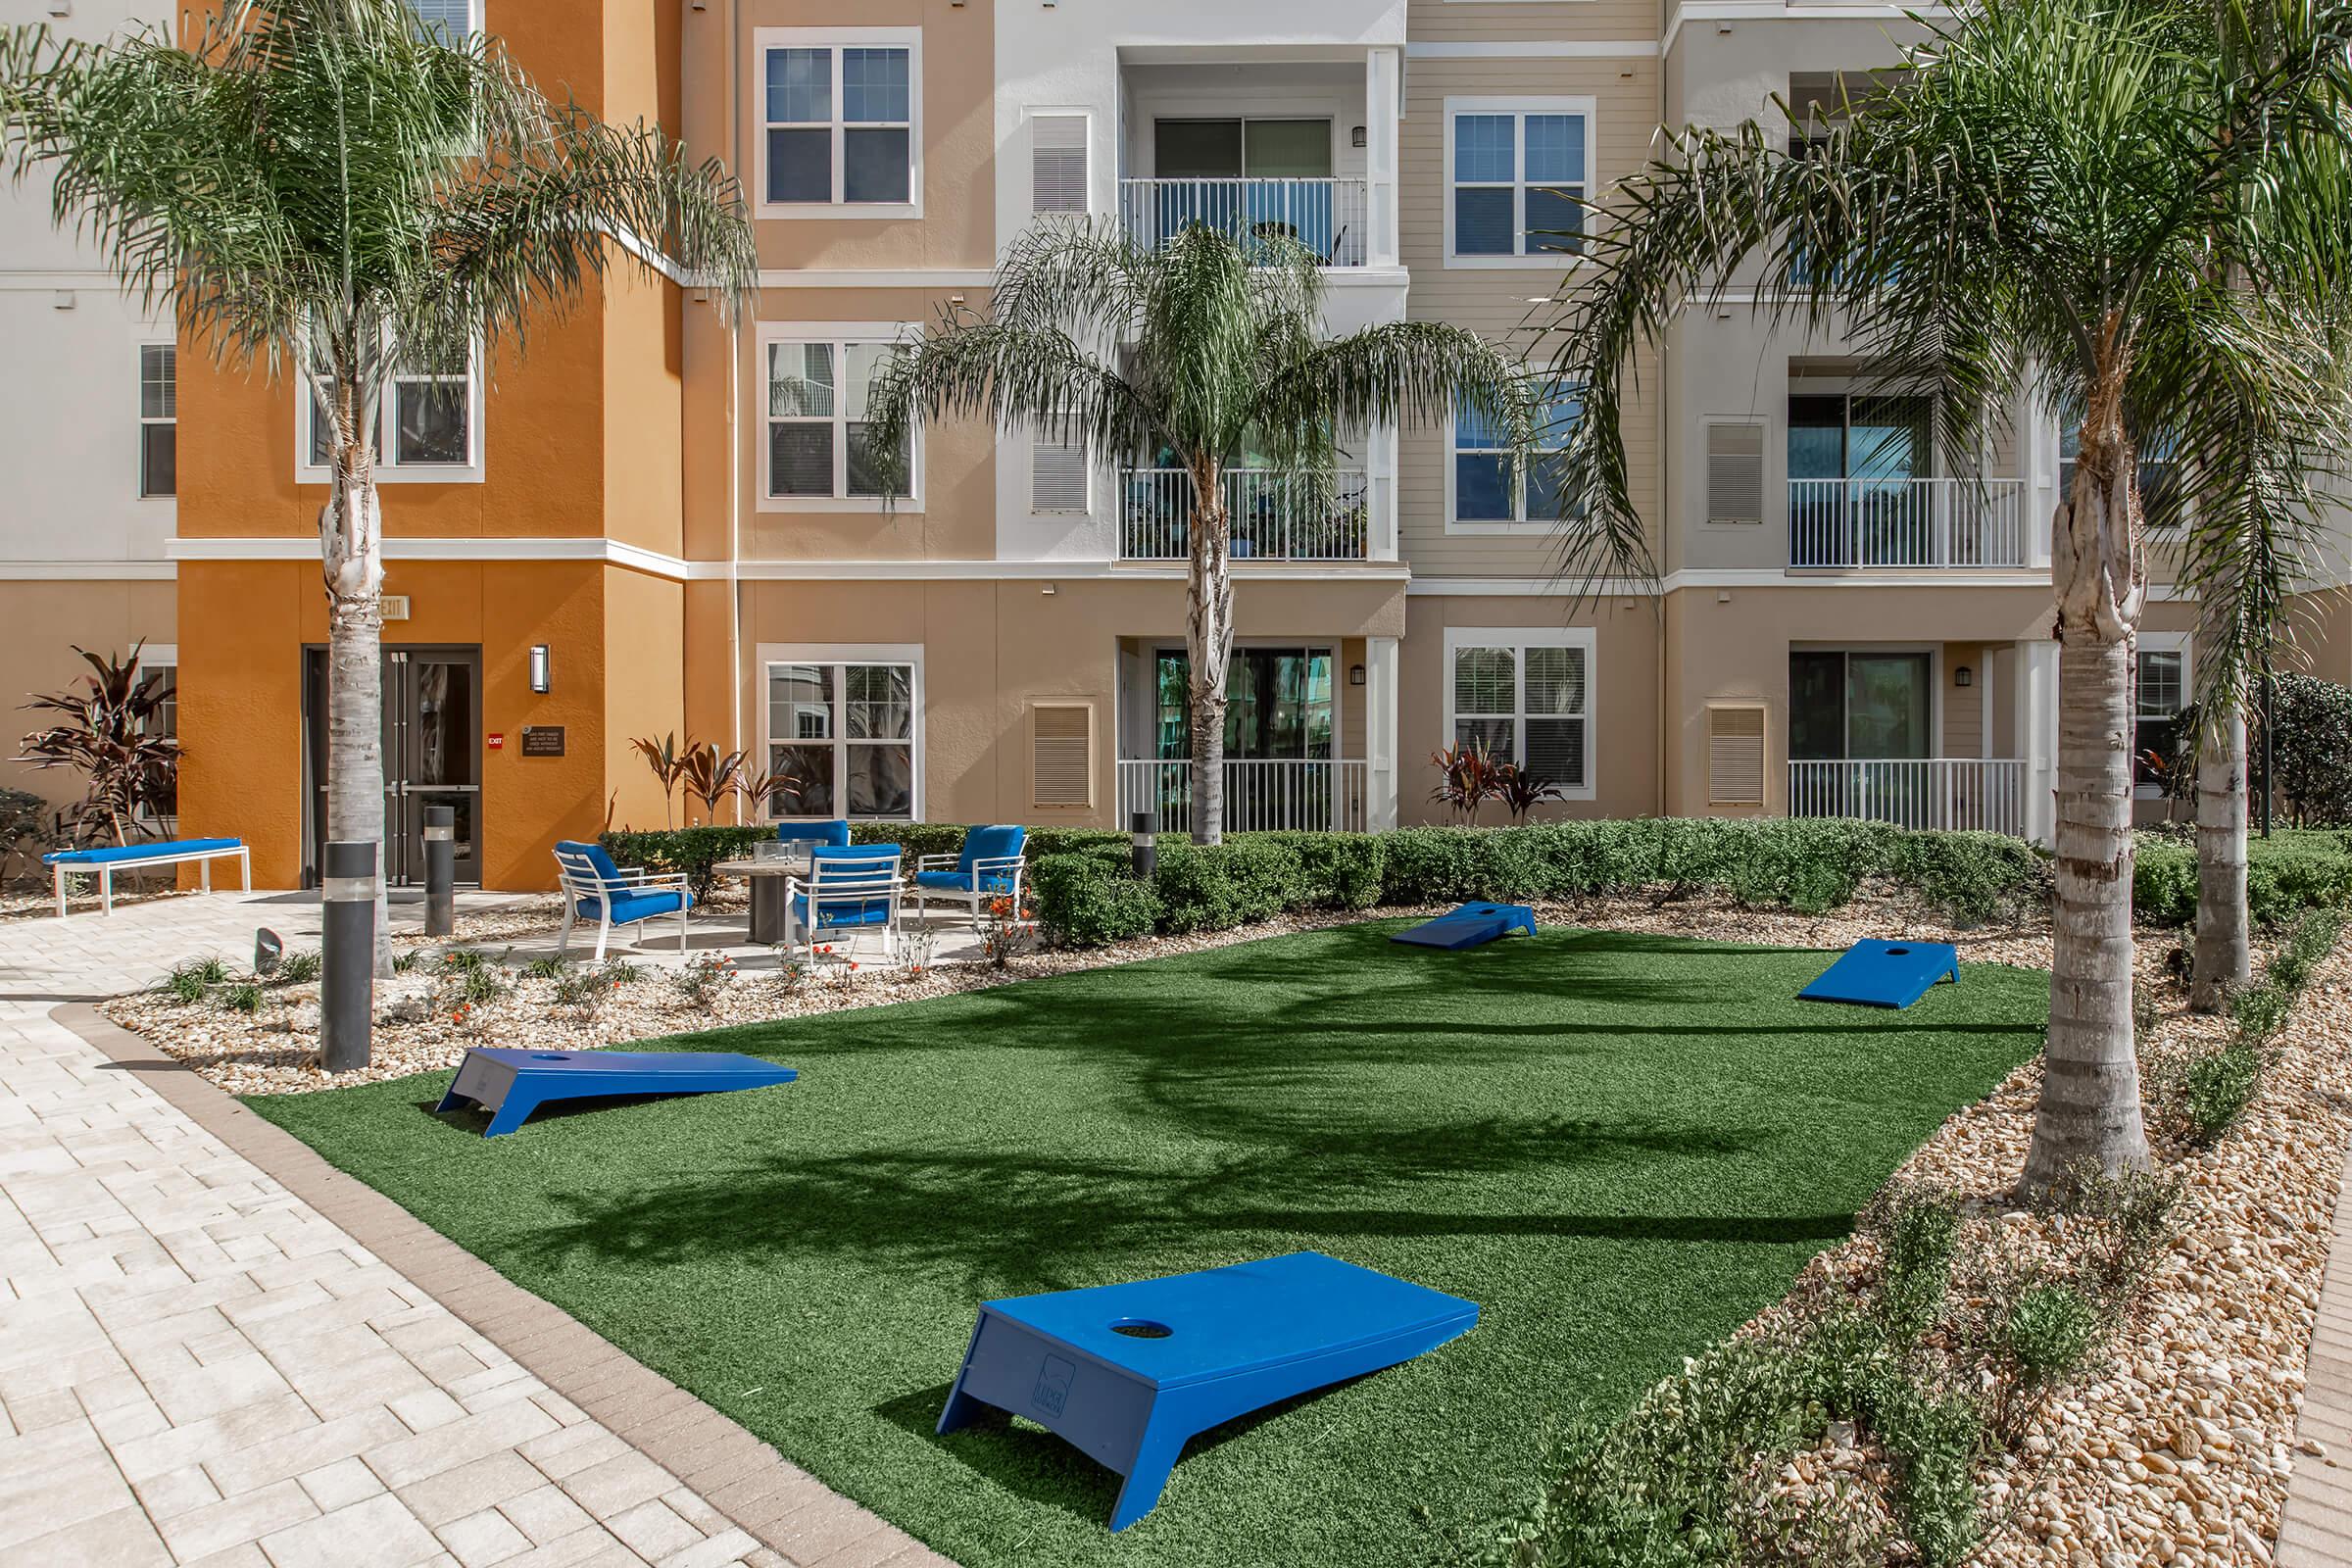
(1146, 853)
(440, 871)
(347, 952)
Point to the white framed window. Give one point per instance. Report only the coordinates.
(428, 427)
(1528, 693)
(815, 455)
(455, 19)
(2160, 689)
(158, 419)
(1483, 495)
(159, 673)
(841, 732)
(840, 121)
(1058, 176)
(1517, 170)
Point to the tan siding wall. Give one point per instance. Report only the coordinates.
(1473, 22)
(957, 227)
(1495, 301)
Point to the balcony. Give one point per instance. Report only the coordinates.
(1897, 524)
(1986, 794)
(1261, 795)
(1276, 515)
(1330, 217)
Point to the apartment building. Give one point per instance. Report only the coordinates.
(656, 523)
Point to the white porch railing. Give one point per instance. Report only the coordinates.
(1275, 515)
(1936, 791)
(1260, 794)
(1906, 523)
(1329, 217)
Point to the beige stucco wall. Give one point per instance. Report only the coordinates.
(40, 625)
(1621, 693)
(993, 647)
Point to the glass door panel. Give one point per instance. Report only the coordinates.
(1816, 706)
(1886, 706)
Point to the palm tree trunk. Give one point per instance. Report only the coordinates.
(352, 542)
(2089, 1109)
(2224, 948)
(1208, 644)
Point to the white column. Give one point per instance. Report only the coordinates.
(2040, 468)
(2037, 719)
(1380, 493)
(1380, 733)
(1382, 86)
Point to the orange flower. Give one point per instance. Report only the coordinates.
(852, 963)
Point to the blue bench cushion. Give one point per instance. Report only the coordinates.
(840, 910)
(138, 851)
(835, 832)
(628, 906)
(964, 881)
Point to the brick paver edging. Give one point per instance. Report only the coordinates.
(2316, 1529)
(772, 1500)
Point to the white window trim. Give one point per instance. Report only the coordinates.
(910, 39)
(912, 653)
(2160, 642)
(138, 456)
(1520, 525)
(1519, 639)
(837, 334)
(1548, 261)
(389, 470)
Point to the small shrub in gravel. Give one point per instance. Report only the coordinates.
(580, 988)
(2050, 1331)
(2257, 1011)
(547, 966)
(2314, 937)
(469, 985)
(2137, 1212)
(699, 983)
(2216, 1085)
(193, 980)
(1918, 1230)
(404, 961)
(243, 995)
(298, 967)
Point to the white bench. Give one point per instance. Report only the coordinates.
(174, 851)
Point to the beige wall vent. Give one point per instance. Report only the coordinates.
(1063, 753)
(1735, 754)
(1735, 471)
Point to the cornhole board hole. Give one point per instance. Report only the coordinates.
(512, 1084)
(1127, 1373)
(1884, 974)
(1470, 925)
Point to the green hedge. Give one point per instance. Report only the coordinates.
(1088, 898)
(2293, 871)
(696, 850)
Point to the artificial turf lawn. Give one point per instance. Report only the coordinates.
(1620, 1146)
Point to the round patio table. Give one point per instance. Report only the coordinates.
(767, 874)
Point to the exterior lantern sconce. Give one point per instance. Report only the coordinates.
(1964, 676)
(542, 668)
(1356, 674)
(1356, 137)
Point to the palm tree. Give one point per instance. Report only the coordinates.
(335, 190)
(2050, 201)
(1192, 347)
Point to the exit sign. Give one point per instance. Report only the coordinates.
(395, 606)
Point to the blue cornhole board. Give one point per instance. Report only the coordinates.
(1213, 1346)
(1469, 925)
(1884, 974)
(512, 1084)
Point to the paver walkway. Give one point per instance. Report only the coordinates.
(197, 1366)
(2316, 1529)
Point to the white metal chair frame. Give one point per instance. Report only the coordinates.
(855, 882)
(579, 883)
(984, 871)
(104, 872)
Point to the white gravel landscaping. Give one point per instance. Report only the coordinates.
(2175, 1450)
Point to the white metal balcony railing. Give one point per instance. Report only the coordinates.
(1260, 794)
(1936, 791)
(1906, 523)
(1274, 515)
(1329, 217)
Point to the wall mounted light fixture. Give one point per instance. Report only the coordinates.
(1964, 676)
(543, 661)
(1356, 674)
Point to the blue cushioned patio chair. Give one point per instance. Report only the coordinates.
(595, 889)
(835, 833)
(988, 867)
(849, 889)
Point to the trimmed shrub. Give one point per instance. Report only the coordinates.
(2049, 1333)
(1918, 1230)
(2218, 1086)
(2293, 871)
(1085, 901)
(1971, 877)
(693, 850)
(1338, 870)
